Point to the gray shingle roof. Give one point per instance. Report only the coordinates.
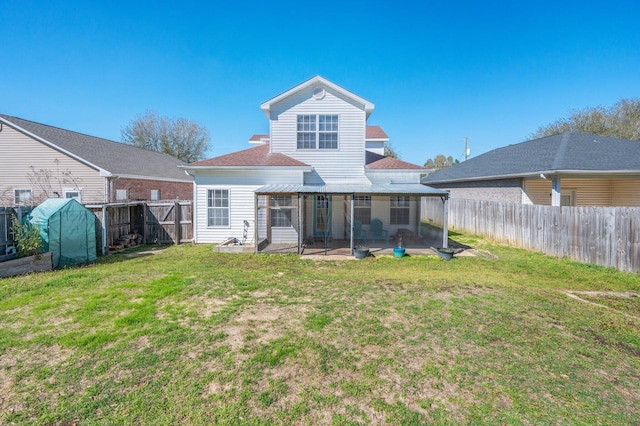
(567, 152)
(114, 157)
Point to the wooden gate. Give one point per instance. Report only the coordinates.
(168, 222)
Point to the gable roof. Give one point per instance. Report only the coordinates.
(259, 156)
(108, 157)
(317, 80)
(375, 161)
(375, 132)
(564, 153)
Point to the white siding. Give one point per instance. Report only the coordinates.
(22, 155)
(241, 186)
(376, 147)
(394, 177)
(347, 162)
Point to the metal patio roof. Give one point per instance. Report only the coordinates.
(374, 188)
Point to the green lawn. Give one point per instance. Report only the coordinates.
(189, 336)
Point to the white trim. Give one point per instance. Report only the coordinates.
(546, 173)
(151, 178)
(228, 225)
(248, 168)
(317, 80)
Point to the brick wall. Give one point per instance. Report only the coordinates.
(503, 190)
(140, 189)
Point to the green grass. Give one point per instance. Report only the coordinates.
(195, 337)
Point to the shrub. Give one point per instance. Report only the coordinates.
(27, 237)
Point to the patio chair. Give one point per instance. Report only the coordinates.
(358, 233)
(377, 233)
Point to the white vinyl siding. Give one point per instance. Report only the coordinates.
(30, 157)
(241, 186)
(330, 165)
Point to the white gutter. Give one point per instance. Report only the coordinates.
(246, 168)
(537, 174)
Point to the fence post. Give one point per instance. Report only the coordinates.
(176, 216)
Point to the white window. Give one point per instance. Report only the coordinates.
(280, 211)
(399, 213)
(362, 208)
(218, 208)
(121, 194)
(73, 193)
(155, 195)
(22, 197)
(317, 131)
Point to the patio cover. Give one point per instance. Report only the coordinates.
(414, 189)
(373, 188)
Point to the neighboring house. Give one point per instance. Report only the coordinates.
(39, 161)
(569, 169)
(318, 172)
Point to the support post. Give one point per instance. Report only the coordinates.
(445, 222)
(300, 224)
(351, 225)
(555, 191)
(255, 223)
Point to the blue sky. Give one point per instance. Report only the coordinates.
(437, 71)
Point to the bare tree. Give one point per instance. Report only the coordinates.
(440, 162)
(390, 151)
(622, 120)
(179, 137)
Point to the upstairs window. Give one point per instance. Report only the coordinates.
(317, 131)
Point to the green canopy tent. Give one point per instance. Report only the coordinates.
(68, 230)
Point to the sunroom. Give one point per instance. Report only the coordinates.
(337, 218)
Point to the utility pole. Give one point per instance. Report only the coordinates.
(467, 151)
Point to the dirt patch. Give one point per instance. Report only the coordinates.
(605, 294)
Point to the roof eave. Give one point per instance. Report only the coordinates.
(366, 105)
(247, 168)
(102, 172)
(539, 174)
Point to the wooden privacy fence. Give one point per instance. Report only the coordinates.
(157, 222)
(608, 236)
(6, 236)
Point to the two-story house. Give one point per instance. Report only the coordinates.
(320, 174)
